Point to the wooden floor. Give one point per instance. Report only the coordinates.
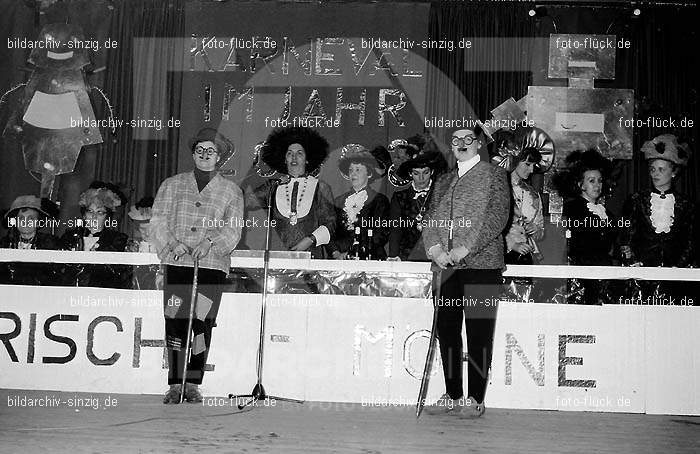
(81, 423)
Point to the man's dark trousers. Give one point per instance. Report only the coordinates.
(472, 295)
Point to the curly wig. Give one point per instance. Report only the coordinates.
(274, 149)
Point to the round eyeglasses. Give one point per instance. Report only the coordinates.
(462, 141)
(201, 151)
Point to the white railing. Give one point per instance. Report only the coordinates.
(251, 259)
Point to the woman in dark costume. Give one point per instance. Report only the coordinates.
(26, 216)
(418, 163)
(97, 205)
(662, 220)
(590, 238)
(361, 207)
(302, 207)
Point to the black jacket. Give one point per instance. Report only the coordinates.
(675, 248)
(374, 212)
(110, 276)
(28, 273)
(404, 237)
(592, 238)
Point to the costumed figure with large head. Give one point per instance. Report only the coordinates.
(54, 118)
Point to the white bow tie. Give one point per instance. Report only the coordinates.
(421, 193)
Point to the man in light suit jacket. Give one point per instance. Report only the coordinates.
(463, 237)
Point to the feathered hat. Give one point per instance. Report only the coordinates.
(356, 153)
(566, 181)
(510, 144)
(666, 147)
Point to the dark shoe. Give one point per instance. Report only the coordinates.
(472, 409)
(173, 395)
(192, 394)
(445, 405)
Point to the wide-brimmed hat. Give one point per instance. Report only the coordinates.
(419, 151)
(142, 211)
(274, 150)
(508, 146)
(666, 147)
(26, 201)
(358, 154)
(381, 154)
(224, 146)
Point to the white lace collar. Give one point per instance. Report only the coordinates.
(597, 208)
(353, 205)
(662, 212)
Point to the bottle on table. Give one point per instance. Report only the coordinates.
(368, 246)
(354, 251)
(77, 242)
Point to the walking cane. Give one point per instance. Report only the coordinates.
(188, 342)
(432, 345)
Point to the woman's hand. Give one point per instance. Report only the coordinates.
(337, 255)
(523, 248)
(303, 245)
(393, 259)
(530, 228)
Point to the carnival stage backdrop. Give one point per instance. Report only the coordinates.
(360, 73)
(249, 69)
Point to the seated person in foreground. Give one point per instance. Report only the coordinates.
(26, 216)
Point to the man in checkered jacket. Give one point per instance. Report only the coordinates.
(196, 215)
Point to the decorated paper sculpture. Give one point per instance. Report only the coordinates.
(54, 118)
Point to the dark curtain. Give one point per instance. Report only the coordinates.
(657, 67)
(471, 82)
(143, 88)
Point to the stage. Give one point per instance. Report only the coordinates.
(143, 424)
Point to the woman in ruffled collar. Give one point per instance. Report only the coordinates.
(303, 215)
(590, 226)
(662, 220)
(361, 206)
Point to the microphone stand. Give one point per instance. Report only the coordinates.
(258, 392)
